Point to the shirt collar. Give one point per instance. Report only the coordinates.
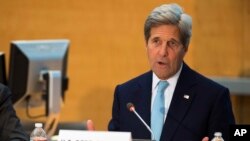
(171, 80)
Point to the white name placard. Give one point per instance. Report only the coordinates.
(80, 135)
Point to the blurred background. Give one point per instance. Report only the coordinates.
(107, 45)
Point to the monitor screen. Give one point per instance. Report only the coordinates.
(29, 59)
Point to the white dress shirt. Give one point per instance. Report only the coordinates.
(169, 91)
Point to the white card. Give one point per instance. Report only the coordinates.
(81, 135)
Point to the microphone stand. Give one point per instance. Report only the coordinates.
(131, 108)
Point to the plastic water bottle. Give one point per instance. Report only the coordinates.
(38, 134)
(217, 137)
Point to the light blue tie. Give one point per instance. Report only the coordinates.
(158, 111)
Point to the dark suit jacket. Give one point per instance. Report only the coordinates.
(10, 127)
(207, 110)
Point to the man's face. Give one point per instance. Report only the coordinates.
(165, 51)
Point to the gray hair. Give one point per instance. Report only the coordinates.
(170, 14)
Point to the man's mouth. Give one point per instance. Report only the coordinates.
(161, 63)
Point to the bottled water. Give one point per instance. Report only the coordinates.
(38, 134)
(217, 137)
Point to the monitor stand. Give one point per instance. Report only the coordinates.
(53, 80)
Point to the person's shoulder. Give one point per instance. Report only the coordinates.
(4, 91)
(208, 82)
(147, 76)
(201, 80)
(3, 88)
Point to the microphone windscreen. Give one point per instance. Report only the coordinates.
(130, 106)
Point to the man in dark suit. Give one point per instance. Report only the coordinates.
(194, 107)
(10, 126)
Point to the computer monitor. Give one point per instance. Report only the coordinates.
(3, 79)
(37, 72)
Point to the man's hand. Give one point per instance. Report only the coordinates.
(205, 139)
(90, 125)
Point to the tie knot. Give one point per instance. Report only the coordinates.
(162, 85)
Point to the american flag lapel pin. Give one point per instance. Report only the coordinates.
(186, 96)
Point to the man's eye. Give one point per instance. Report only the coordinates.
(157, 42)
(172, 44)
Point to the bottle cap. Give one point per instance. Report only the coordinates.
(39, 125)
(218, 134)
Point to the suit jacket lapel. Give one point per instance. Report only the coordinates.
(180, 103)
(143, 98)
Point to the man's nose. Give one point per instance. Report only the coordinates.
(163, 50)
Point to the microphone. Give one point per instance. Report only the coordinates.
(131, 108)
